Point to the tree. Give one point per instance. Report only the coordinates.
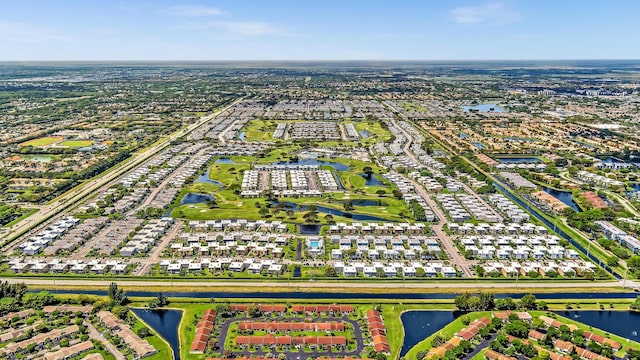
(329, 219)
(120, 311)
(528, 302)
(143, 332)
(116, 295)
(264, 211)
(348, 205)
(368, 171)
(381, 193)
(212, 203)
(330, 271)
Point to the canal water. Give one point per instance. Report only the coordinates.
(165, 323)
(341, 295)
(550, 225)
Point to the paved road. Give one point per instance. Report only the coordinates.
(94, 334)
(345, 285)
(78, 194)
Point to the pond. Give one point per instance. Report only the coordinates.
(518, 160)
(327, 210)
(463, 136)
(367, 202)
(193, 198)
(204, 178)
(621, 323)
(636, 186)
(564, 196)
(165, 323)
(224, 161)
(365, 133)
(419, 325)
(242, 136)
(372, 180)
(336, 165)
(483, 108)
(38, 158)
(478, 145)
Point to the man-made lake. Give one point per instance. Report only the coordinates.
(636, 187)
(372, 180)
(564, 196)
(224, 161)
(621, 323)
(478, 145)
(484, 108)
(327, 210)
(193, 198)
(165, 323)
(518, 160)
(419, 325)
(204, 178)
(365, 133)
(39, 158)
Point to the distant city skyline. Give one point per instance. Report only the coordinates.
(225, 30)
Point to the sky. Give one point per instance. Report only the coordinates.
(94, 30)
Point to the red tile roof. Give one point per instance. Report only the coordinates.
(203, 331)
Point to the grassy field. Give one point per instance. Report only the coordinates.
(260, 130)
(76, 143)
(43, 141)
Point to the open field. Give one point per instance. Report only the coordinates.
(43, 141)
(76, 143)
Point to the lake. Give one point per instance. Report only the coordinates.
(39, 158)
(564, 196)
(365, 133)
(621, 323)
(372, 180)
(193, 198)
(224, 161)
(419, 325)
(327, 210)
(204, 178)
(165, 323)
(518, 160)
(484, 108)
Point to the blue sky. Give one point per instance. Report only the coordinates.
(318, 30)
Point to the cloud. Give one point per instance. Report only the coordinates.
(25, 33)
(492, 14)
(244, 28)
(194, 11)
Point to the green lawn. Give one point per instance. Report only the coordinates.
(43, 141)
(76, 143)
(260, 130)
